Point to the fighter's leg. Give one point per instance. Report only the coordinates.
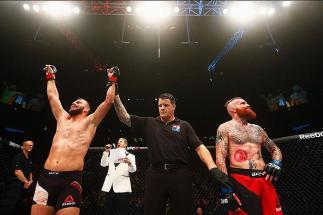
(43, 200)
(270, 200)
(42, 210)
(68, 211)
(247, 189)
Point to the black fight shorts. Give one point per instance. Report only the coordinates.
(59, 189)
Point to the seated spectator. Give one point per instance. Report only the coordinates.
(299, 96)
(9, 94)
(37, 104)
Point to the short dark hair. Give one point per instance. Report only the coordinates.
(80, 98)
(230, 100)
(167, 96)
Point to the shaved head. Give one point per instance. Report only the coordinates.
(238, 107)
(231, 104)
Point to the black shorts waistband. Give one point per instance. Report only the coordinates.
(168, 166)
(50, 172)
(255, 173)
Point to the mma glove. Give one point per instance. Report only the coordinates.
(273, 168)
(227, 198)
(113, 78)
(50, 72)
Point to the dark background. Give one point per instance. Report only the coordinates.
(251, 69)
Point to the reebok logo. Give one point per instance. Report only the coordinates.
(68, 201)
(311, 135)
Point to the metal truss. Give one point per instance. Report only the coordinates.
(201, 8)
(186, 8)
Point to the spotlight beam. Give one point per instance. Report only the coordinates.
(273, 42)
(234, 40)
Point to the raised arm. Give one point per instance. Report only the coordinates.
(105, 106)
(221, 143)
(52, 93)
(121, 111)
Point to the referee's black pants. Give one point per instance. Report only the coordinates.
(116, 201)
(175, 185)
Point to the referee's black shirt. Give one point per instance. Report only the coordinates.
(167, 142)
(20, 162)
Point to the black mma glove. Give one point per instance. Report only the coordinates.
(114, 78)
(218, 176)
(227, 198)
(273, 168)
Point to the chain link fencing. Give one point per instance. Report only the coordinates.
(300, 187)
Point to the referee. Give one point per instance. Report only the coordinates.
(169, 140)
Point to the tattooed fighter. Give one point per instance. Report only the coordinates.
(241, 142)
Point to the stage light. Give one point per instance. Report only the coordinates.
(26, 6)
(286, 3)
(225, 11)
(36, 8)
(152, 11)
(263, 11)
(76, 10)
(242, 11)
(271, 11)
(129, 9)
(176, 9)
(138, 10)
(45, 8)
(61, 9)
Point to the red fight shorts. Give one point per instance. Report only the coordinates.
(258, 196)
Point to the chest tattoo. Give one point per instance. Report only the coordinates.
(240, 155)
(241, 135)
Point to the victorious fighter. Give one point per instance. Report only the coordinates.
(59, 188)
(241, 142)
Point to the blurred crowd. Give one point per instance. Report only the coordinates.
(12, 95)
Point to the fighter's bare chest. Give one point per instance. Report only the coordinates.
(70, 129)
(247, 134)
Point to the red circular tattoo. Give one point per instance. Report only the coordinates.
(240, 155)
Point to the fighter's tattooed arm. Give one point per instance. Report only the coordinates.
(121, 111)
(272, 147)
(221, 143)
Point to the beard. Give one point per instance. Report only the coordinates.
(74, 112)
(246, 113)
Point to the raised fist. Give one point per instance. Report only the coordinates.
(113, 75)
(273, 169)
(50, 72)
